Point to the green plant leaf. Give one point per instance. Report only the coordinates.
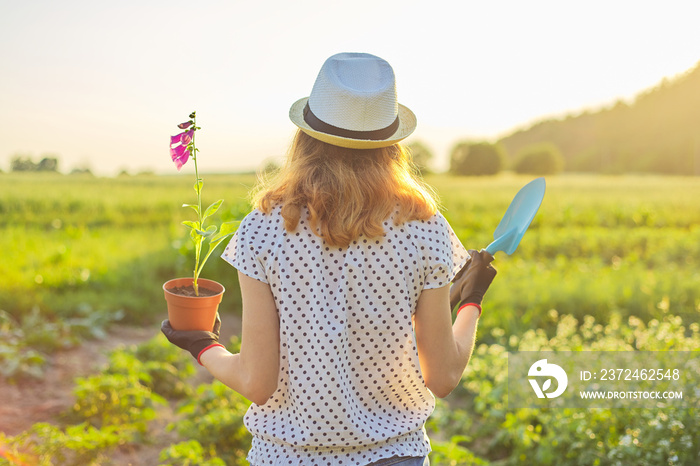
(226, 230)
(211, 210)
(192, 225)
(208, 232)
(198, 186)
(195, 207)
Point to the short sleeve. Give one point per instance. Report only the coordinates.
(248, 250)
(443, 253)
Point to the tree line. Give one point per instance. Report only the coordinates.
(484, 158)
(46, 164)
(656, 133)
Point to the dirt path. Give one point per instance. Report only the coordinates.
(30, 401)
(42, 400)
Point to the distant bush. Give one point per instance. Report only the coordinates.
(81, 171)
(270, 167)
(477, 159)
(23, 163)
(421, 156)
(539, 159)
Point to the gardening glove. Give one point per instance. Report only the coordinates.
(194, 341)
(470, 283)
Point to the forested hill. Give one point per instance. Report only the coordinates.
(658, 132)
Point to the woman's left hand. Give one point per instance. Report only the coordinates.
(193, 341)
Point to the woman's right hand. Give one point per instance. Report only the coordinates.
(470, 283)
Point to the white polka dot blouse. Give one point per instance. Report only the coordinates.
(350, 388)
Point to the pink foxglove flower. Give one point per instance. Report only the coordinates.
(178, 147)
(180, 155)
(183, 138)
(185, 125)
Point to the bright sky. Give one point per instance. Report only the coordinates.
(103, 84)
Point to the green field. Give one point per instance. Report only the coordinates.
(608, 263)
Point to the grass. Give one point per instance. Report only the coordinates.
(598, 245)
(109, 243)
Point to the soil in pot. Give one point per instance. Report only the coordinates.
(189, 291)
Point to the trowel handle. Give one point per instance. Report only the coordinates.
(492, 248)
(501, 243)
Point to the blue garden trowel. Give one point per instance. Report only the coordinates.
(517, 218)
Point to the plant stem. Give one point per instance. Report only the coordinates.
(198, 244)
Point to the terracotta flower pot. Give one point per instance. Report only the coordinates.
(193, 312)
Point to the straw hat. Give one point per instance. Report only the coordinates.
(353, 104)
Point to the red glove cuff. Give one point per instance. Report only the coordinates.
(207, 348)
(478, 306)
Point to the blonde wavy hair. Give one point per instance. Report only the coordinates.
(348, 192)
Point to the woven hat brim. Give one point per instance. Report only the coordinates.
(407, 124)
